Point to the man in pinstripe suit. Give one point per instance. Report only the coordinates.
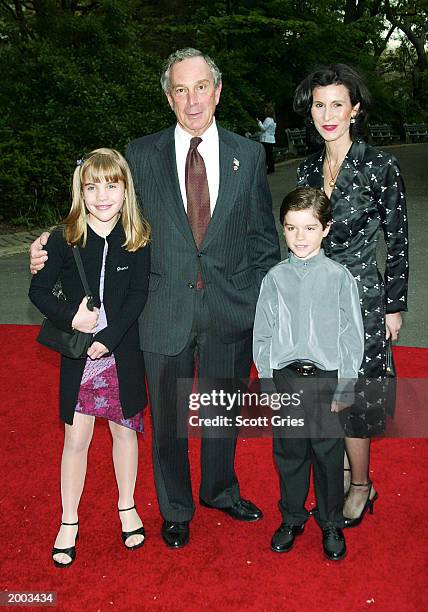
(181, 321)
(183, 324)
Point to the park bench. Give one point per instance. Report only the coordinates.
(296, 140)
(415, 132)
(381, 133)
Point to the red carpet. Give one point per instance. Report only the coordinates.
(228, 565)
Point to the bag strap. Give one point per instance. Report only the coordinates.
(78, 259)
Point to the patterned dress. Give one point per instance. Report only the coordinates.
(368, 196)
(99, 389)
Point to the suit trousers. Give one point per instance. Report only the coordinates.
(208, 357)
(294, 455)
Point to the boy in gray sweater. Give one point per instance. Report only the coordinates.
(308, 336)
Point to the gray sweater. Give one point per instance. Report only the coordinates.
(309, 309)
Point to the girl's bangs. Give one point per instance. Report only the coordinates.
(102, 168)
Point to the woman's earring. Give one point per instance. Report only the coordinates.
(352, 119)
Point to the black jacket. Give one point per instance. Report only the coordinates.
(125, 293)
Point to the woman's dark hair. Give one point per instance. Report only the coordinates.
(270, 111)
(335, 74)
(303, 198)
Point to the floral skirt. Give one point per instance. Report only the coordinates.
(99, 394)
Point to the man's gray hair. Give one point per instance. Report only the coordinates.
(179, 56)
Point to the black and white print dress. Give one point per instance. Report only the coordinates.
(368, 197)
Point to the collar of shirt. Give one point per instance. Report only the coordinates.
(306, 263)
(209, 150)
(117, 233)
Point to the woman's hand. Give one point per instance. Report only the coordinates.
(85, 320)
(97, 350)
(393, 323)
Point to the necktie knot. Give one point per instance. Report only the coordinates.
(195, 142)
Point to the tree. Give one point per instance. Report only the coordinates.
(77, 82)
(411, 17)
(85, 73)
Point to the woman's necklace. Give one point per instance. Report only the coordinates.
(333, 179)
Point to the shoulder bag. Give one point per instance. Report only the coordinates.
(73, 344)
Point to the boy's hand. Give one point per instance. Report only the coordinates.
(97, 350)
(85, 320)
(344, 396)
(38, 255)
(338, 406)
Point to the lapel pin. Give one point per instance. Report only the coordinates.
(235, 164)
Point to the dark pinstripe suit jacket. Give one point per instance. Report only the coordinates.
(240, 246)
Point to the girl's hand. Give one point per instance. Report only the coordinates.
(85, 320)
(97, 350)
(393, 323)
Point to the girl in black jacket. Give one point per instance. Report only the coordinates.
(105, 222)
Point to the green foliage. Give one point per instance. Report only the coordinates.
(83, 74)
(86, 85)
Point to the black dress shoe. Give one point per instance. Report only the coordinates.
(284, 536)
(333, 543)
(175, 535)
(242, 510)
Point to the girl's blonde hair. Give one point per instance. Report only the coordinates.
(111, 166)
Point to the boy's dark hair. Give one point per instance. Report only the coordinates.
(303, 198)
(335, 74)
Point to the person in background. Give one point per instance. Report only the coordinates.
(267, 136)
(112, 237)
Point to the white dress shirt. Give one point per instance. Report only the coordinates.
(209, 150)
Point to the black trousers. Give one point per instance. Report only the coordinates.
(294, 455)
(268, 146)
(214, 359)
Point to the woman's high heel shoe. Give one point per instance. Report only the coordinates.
(368, 505)
(127, 534)
(70, 551)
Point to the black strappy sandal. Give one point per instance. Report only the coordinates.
(70, 551)
(127, 534)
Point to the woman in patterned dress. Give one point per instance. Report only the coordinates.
(105, 222)
(367, 195)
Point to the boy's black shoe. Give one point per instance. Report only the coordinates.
(283, 538)
(333, 543)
